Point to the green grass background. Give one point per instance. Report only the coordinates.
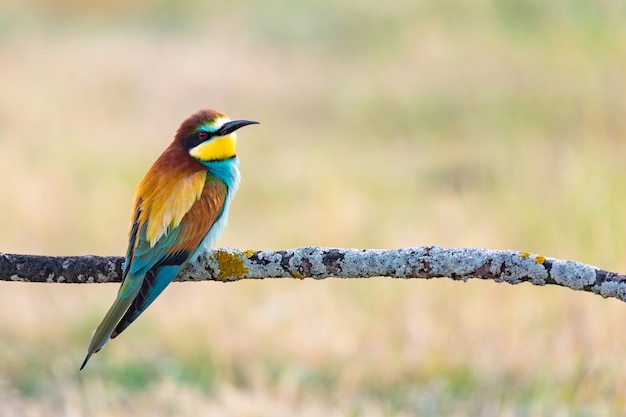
(495, 124)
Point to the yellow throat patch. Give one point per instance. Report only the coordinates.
(221, 147)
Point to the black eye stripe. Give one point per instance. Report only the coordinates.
(193, 141)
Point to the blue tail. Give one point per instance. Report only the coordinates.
(153, 284)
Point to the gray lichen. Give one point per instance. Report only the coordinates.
(316, 262)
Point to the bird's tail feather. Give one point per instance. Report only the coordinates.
(153, 284)
(103, 332)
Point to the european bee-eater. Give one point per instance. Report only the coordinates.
(180, 209)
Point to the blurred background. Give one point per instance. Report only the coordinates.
(491, 123)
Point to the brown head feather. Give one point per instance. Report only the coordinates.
(175, 162)
(189, 126)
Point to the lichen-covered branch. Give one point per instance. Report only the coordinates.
(317, 262)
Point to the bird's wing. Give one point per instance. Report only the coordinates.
(174, 248)
(170, 219)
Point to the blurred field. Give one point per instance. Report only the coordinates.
(495, 124)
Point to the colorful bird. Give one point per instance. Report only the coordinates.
(180, 209)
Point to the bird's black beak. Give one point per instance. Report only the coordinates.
(230, 127)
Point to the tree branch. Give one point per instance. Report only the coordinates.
(318, 263)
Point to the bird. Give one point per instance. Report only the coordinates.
(180, 209)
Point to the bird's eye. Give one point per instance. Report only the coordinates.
(203, 135)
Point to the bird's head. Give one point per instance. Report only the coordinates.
(209, 135)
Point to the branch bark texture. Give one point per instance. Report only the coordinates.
(316, 262)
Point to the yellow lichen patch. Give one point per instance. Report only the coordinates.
(525, 255)
(297, 275)
(540, 259)
(230, 265)
(248, 253)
